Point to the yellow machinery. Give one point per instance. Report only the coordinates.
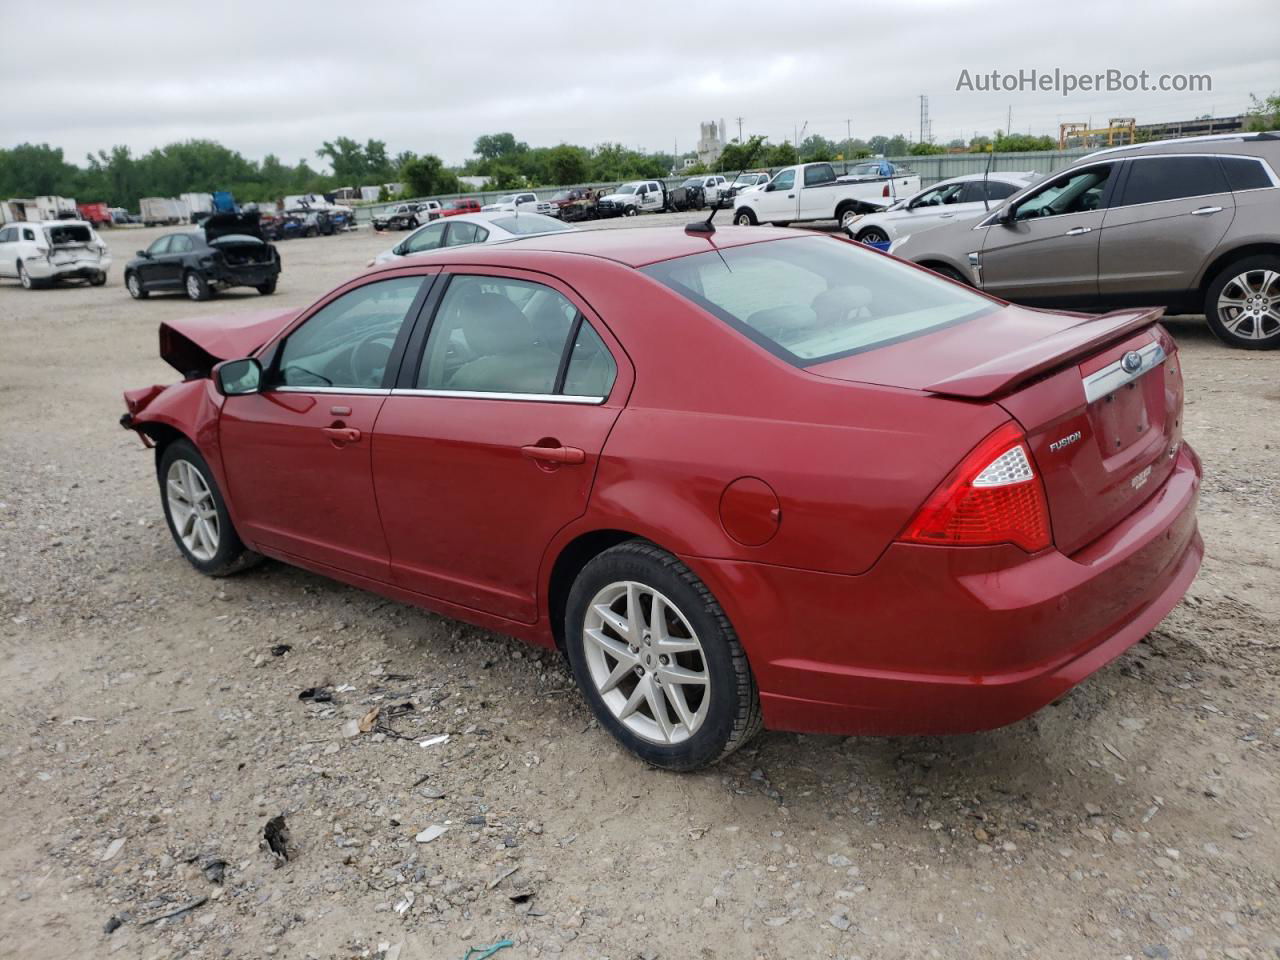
(1118, 132)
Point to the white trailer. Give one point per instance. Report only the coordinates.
(57, 208)
(197, 203)
(19, 209)
(163, 211)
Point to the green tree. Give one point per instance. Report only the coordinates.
(1263, 114)
(779, 155)
(348, 159)
(426, 176)
(816, 148)
(1022, 143)
(568, 164)
(739, 156)
(925, 149)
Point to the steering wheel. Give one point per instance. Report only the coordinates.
(368, 361)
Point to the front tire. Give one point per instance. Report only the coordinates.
(745, 218)
(135, 287)
(630, 212)
(268, 288)
(872, 235)
(197, 286)
(98, 279)
(197, 515)
(1242, 304)
(657, 659)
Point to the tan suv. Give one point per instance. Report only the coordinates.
(1192, 225)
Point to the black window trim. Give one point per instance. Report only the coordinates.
(1261, 161)
(406, 380)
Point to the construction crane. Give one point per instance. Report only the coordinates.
(1118, 132)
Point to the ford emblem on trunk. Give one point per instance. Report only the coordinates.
(1132, 362)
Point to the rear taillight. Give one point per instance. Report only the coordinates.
(885, 191)
(994, 496)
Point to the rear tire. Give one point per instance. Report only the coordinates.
(1242, 304)
(681, 709)
(196, 285)
(197, 515)
(745, 218)
(24, 278)
(135, 287)
(268, 288)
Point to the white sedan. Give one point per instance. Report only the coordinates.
(469, 228)
(944, 202)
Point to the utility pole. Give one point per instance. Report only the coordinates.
(848, 139)
(1008, 125)
(925, 133)
(739, 129)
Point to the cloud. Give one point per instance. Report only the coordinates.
(431, 77)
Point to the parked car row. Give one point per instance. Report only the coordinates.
(472, 228)
(409, 215)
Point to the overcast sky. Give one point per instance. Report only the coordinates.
(428, 76)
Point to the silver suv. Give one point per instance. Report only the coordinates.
(1192, 225)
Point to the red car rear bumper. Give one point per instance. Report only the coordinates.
(954, 639)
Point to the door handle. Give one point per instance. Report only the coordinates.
(1205, 211)
(554, 454)
(1078, 231)
(945, 216)
(791, 196)
(341, 435)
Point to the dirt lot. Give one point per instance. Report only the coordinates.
(148, 732)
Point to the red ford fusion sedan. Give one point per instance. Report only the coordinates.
(749, 478)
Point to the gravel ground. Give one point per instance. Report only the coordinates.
(151, 726)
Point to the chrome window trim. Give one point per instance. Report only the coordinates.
(496, 395)
(357, 391)
(1113, 376)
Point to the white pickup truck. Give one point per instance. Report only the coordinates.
(812, 191)
(512, 202)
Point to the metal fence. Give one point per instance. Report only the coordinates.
(930, 168)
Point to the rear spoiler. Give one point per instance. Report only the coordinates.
(1003, 373)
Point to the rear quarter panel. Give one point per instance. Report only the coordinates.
(848, 462)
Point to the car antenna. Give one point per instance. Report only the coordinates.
(986, 175)
(706, 226)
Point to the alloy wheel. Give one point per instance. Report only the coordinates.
(646, 662)
(135, 287)
(848, 218)
(192, 510)
(23, 276)
(872, 235)
(1249, 305)
(193, 286)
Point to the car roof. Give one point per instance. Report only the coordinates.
(632, 247)
(1240, 144)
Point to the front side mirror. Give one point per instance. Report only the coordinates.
(235, 378)
(144, 254)
(1005, 216)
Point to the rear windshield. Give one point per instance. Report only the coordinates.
(530, 223)
(813, 299)
(72, 234)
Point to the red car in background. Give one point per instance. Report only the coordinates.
(98, 214)
(749, 478)
(455, 207)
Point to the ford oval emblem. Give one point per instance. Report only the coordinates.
(1131, 362)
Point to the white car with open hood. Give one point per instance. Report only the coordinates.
(41, 252)
(527, 202)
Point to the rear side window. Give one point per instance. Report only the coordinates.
(993, 189)
(1156, 179)
(462, 234)
(823, 173)
(813, 299)
(180, 244)
(1245, 174)
(8, 235)
(592, 369)
(498, 335)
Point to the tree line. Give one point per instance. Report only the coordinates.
(120, 178)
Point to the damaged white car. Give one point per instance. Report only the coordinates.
(38, 253)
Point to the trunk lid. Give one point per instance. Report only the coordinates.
(228, 224)
(1099, 398)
